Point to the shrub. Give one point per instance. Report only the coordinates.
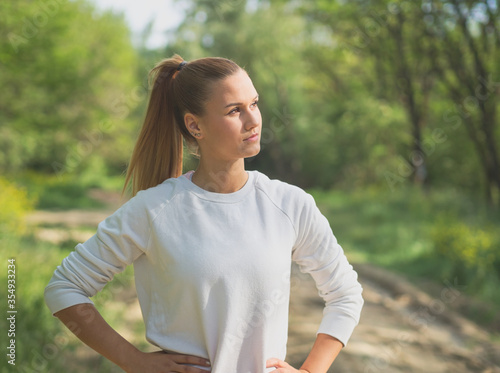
(472, 252)
(15, 205)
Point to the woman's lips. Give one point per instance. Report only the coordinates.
(254, 137)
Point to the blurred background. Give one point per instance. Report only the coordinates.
(386, 111)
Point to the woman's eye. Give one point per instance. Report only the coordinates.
(237, 109)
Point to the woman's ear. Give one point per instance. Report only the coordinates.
(191, 122)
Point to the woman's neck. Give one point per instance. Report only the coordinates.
(220, 177)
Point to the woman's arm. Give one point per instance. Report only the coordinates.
(89, 326)
(323, 353)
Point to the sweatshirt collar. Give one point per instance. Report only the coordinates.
(219, 197)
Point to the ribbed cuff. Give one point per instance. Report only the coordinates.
(337, 325)
(59, 299)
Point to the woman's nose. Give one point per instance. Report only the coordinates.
(253, 119)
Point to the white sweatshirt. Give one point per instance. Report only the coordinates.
(212, 270)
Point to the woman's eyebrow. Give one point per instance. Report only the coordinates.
(239, 103)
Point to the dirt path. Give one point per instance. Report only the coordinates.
(402, 328)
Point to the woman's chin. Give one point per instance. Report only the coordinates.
(252, 152)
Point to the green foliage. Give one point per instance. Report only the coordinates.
(343, 87)
(38, 336)
(43, 344)
(58, 192)
(40, 339)
(335, 78)
(15, 206)
(378, 226)
(68, 78)
(440, 236)
(416, 58)
(473, 252)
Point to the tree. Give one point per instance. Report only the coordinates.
(467, 33)
(68, 76)
(418, 46)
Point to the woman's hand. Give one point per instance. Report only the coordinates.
(282, 366)
(85, 321)
(161, 362)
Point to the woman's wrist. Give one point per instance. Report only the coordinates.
(131, 359)
(323, 353)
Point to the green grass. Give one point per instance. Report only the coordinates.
(39, 337)
(43, 344)
(400, 230)
(375, 227)
(64, 192)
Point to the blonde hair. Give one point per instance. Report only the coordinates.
(175, 90)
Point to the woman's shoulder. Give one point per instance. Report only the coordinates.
(155, 198)
(264, 181)
(281, 192)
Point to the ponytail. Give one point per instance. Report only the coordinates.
(176, 90)
(157, 153)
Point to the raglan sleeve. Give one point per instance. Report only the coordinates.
(318, 253)
(119, 240)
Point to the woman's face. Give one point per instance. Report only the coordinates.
(230, 128)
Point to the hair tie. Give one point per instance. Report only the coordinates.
(181, 65)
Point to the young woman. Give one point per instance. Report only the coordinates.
(211, 249)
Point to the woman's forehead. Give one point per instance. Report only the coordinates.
(237, 88)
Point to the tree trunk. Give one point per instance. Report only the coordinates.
(413, 108)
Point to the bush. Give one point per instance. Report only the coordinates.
(402, 232)
(40, 339)
(472, 252)
(57, 192)
(15, 205)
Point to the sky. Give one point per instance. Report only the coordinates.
(138, 13)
